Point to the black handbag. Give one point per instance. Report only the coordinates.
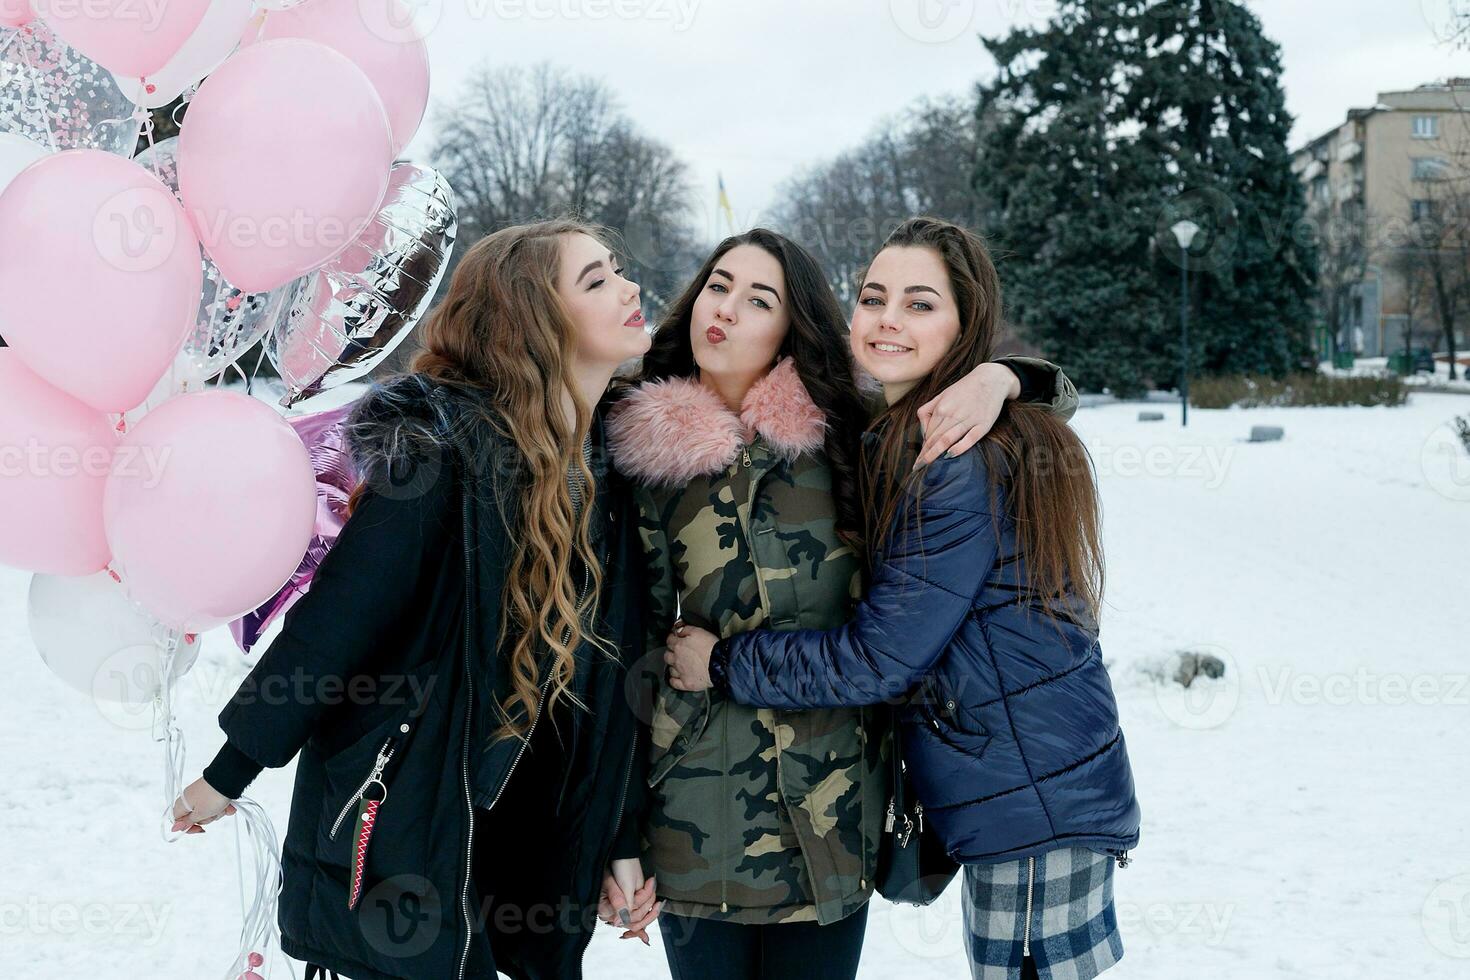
(912, 863)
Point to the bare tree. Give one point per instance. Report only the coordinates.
(521, 144)
(1440, 255)
(1344, 252)
(1408, 264)
(1454, 26)
(919, 162)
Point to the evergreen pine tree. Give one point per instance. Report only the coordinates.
(1112, 122)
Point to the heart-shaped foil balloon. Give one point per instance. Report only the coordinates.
(353, 312)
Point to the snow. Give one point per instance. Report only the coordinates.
(1304, 816)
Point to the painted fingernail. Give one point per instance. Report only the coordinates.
(623, 915)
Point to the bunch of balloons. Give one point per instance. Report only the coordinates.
(149, 506)
(126, 282)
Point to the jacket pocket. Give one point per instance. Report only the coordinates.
(951, 724)
(679, 721)
(363, 836)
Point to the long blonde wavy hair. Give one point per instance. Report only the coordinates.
(503, 328)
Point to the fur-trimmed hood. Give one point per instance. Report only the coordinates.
(667, 432)
(407, 421)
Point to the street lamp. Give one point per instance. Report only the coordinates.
(1184, 232)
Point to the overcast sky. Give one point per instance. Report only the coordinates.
(758, 89)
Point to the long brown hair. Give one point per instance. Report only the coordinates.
(503, 331)
(1045, 470)
(816, 343)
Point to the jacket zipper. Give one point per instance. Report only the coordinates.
(464, 755)
(464, 890)
(1030, 881)
(384, 754)
(622, 799)
(540, 702)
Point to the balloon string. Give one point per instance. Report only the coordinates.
(145, 129)
(260, 939)
(258, 359)
(41, 105)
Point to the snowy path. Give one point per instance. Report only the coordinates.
(1306, 816)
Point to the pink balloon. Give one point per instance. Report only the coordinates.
(55, 454)
(197, 538)
(283, 160)
(16, 13)
(100, 275)
(129, 37)
(379, 37)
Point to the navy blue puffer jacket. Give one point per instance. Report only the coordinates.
(1013, 741)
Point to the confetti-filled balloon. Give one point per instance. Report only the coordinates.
(56, 96)
(360, 306)
(230, 321)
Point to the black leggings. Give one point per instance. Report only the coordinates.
(709, 949)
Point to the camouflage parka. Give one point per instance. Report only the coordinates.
(755, 815)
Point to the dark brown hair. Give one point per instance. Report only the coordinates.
(1043, 467)
(816, 343)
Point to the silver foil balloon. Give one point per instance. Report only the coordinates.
(230, 321)
(350, 314)
(56, 96)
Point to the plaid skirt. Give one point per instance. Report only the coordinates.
(1072, 929)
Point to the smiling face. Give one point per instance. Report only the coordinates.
(906, 318)
(604, 306)
(740, 318)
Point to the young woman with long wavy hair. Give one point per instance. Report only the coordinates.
(454, 682)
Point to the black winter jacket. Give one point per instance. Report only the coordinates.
(381, 668)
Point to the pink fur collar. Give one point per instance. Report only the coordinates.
(668, 432)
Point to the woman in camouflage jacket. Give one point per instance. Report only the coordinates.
(763, 825)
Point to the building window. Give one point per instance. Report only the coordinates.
(1423, 210)
(1426, 127)
(1430, 168)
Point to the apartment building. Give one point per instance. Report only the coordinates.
(1383, 160)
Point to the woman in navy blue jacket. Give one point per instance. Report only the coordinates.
(980, 616)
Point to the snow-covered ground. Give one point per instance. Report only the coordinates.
(1305, 816)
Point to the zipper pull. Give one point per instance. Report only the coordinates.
(1123, 859)
(380, 764)
(744, 456)
(919, 811)
(888, 821)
